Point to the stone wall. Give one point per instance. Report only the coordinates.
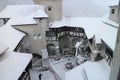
(36, 39)
(115, 64)
(113, 15)
(53, 8)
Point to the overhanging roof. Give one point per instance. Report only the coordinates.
(114, 3)
(90, 71)
(92, 26)
(21, 21)
(10, 36)
(12, 11)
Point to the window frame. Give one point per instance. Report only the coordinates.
(113, 11)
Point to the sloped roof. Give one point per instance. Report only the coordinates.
(10, 36)
(114, 3)
(82, 8)
(23, 14)
(106, 20)
(90, 71)
(13, 65)
(12, 11)
(4, 3)
(21, 21)
(92, 26)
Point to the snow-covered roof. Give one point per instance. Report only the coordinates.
(10, 36)
(40, 14)
(100, 70)
(114, 3)
(106, 20)
(13, 65)
(92, 26)
(12, 11)
(21, 21)
(76, 73)
(83, 8)
(4, 3)
(60, 23)
(90, 71)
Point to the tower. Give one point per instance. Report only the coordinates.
(115, 64)
(53, 8)
(113, 15)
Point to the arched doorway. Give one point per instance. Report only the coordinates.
(51, 49)
(64, 43)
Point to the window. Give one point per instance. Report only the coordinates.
(39, 36)
(40, 20)
(34, 36)
(49, 8)
(113, 11)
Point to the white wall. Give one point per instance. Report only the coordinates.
(35, 44)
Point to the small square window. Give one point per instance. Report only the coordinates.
(49, 8)
(113, 11)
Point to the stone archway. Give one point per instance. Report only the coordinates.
(51, 49)
(64, 43)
